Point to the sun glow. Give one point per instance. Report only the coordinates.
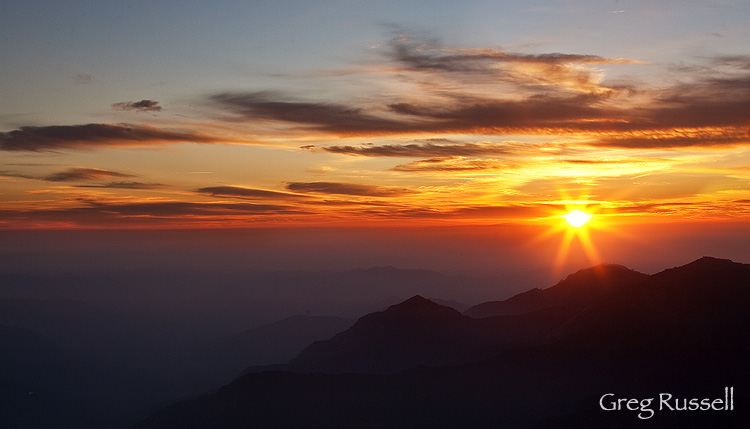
(574, 226)
(577, 218)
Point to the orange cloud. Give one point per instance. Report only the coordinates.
(84, 174)
(347, 189)
(457, 164)
(242, 192)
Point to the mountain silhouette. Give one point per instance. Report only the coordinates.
(580, 288)
(121, 343)
(413, 332)
(682, 331)
(704, 302)
(421, 332)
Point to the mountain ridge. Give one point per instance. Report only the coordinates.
(632, 340)
(586, 284)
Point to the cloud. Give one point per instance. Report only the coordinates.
(512, 211)
(31, 138)
(713, 113)
(17, 175)
(459, 114)
(491, 212)
(559, 70)
(629, 160)
(661, 207)
(741, 62)
(83, 174)
(83, 78)
(74, 174)
(458, 164)
(677, 138)
(430, 54)
(124, 185)
(141, 212)
(138, 106)
(712, 102)
(179, 208)
(540, 112)
(426, 149)
(495, 92)
(337, 118)
(241, 192)
(346, 189)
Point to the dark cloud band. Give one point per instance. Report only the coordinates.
(418, 150)
(346, 189)
(91, 136)
(73, 174)
(240, 192)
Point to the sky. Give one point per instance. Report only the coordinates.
(393, 114)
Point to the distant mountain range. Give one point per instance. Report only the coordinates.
(543, 358)
(274, 343)
(68, 364)
(107, 348)
(206, 303)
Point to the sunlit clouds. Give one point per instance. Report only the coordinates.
(413, 131)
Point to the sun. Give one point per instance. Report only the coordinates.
(577, 218)
(583, 220)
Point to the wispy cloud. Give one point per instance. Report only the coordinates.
(484, 134)
(17, 175)
(417, 150)
(457, 164)
(242, 192)
(457, 114)
(676, 138)
(530, 115)
(330, 117)
(180, 208)
(95, 212)
(457, 90)
(83, 78)
(123, 185)
(76, 174)
(494, 92)
(568, 71)
(347, 189)
(139, 106)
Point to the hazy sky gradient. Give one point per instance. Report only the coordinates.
(353, 113)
